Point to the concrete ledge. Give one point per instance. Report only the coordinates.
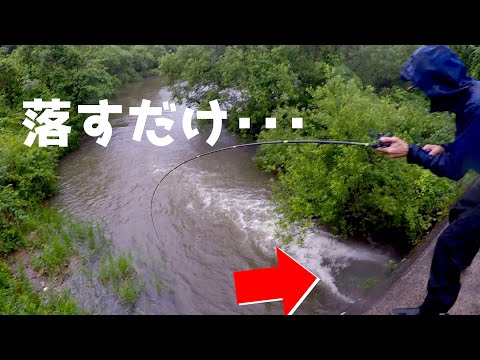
(406, 287)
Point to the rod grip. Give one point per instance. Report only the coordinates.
(380, 143)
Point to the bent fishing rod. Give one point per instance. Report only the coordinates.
(273, 142)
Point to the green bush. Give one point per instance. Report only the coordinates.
(470, 54)
(11, 217)
(357, 191)
(377, 65)
(254, 80)
(341, 92)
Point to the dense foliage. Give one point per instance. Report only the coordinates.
(354, 190)
(377, 65)
(342, 92)
(256, 79)
(470, 54)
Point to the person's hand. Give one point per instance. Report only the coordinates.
(397, 148)
(434, 149)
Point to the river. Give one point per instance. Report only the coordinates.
(213, 216)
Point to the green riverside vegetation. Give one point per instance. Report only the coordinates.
(81, 75)
(342, 93)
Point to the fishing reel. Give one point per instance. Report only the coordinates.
(378, 136)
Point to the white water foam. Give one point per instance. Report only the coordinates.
(322, 253)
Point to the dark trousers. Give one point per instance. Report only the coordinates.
(454, 252)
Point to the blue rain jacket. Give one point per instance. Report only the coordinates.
(442, 76)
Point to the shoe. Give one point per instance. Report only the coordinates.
(405, 311)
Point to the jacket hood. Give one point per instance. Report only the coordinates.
(439, 73)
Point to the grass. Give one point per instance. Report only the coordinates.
(49, 245)
(119, 273)
(55, 256)
(52, 241)
(61, 238)
(370, 283)
(159, 286)
(17, 296)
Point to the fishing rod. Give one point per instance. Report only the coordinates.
(273, 142)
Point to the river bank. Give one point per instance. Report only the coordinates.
(407, 285)
(37, 244)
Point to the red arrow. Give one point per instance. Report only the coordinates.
(289, 281)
